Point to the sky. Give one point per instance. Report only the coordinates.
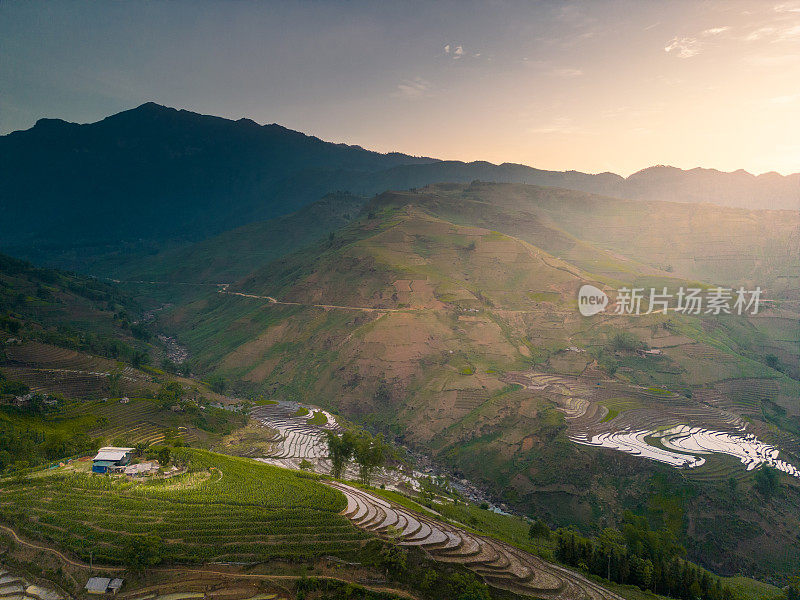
(605, 85)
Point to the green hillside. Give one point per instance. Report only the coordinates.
(68, 310)
(234, 254)
(464, 341)
(276, 512)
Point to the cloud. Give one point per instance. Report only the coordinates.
(558, 125)
(683, 47)
(759, 33)
(413, 88)
(788, 34)
(781, 100)
(787, 7)
(567, 72)
(456, 52)
(716, 30)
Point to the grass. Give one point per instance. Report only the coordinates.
(618, 405)
(224, 508)
(318, 418)
(751, 589)
(300, 412)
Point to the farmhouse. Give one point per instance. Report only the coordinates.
(110, 457)
(103, 585)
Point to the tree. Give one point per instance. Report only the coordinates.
(115, 384)
(217, 384)
(340, 451)
(170, 394)
(793, 591)
(140, 359)
(141, 552)
(539, 529)
(370, 453)
(164, 456)
(767, 482)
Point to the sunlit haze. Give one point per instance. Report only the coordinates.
(592, 86)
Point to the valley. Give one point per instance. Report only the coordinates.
(517, 448)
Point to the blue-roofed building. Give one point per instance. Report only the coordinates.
(109, 458)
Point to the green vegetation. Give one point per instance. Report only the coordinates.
(368, 452)
(318, 418)
(640, 556)
(32, 433)
(69, 310)
(223, 508)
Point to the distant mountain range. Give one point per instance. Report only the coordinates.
(154, 176)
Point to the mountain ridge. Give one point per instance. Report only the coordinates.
(155, 176)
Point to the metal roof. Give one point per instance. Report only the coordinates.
(98, 584)
(112, 453)
(115, 584)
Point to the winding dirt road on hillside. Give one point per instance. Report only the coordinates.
(198, 571)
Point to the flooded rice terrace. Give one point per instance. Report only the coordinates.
(13, 587)
(684, 446)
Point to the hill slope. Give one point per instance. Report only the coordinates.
(69, 310)
(465, 342)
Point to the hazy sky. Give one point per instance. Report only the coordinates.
(592, 86)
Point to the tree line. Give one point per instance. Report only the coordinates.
(637, 555)
(368, 452)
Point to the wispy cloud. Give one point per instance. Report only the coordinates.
(683, 47)
(790, 7)
(782, 100)
(559, 125)
(789, 34)
(760, 33)
(716, 30)
(567, 72)
(455, 52)
(777, 60)
(413, 88)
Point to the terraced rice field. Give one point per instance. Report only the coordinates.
(195, 596)
(50, 369)
(224, 509)
(661, 425)
(499, 564)
(296, 439)
(751, 452)
(137, 421)
(13, 587)
(686, 446)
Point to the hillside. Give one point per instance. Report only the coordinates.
(231, 255)
(69, 310)
(98, 196)
(464, 341)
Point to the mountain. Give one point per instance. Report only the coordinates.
(154, 178)
(157, 173)
(446, 317)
